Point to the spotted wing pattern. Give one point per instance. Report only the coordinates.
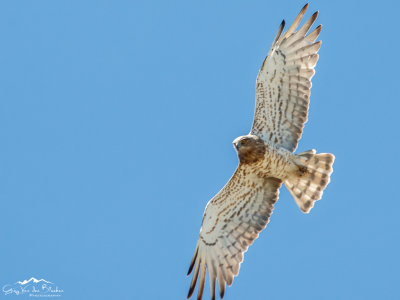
(284, 83)
(232, 221)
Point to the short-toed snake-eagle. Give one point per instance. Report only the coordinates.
(235, 216)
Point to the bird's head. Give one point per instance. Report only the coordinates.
(250, 148)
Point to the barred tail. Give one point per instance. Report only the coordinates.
(308, 183)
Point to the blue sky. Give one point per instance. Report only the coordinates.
(116, 123)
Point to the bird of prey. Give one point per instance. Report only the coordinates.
(235, 216)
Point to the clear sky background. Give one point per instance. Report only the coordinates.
(116, 123)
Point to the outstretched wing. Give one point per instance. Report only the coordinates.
(232, 221)
(284, 83)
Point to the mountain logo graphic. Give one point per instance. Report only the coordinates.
(32, 280)
(33, 287)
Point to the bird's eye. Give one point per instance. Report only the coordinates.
(244, 141)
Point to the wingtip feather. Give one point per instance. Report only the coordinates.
(192, 262)
(194, 279)
(314, 17)
(296, 22)
(280, 30)
(201, 281)
(303, 10)
(222, 293)
(314, 34)
(221, 284)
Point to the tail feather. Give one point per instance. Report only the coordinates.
(308, 183)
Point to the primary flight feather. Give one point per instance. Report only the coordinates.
(235, 216)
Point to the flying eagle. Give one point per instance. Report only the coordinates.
(235, 216)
